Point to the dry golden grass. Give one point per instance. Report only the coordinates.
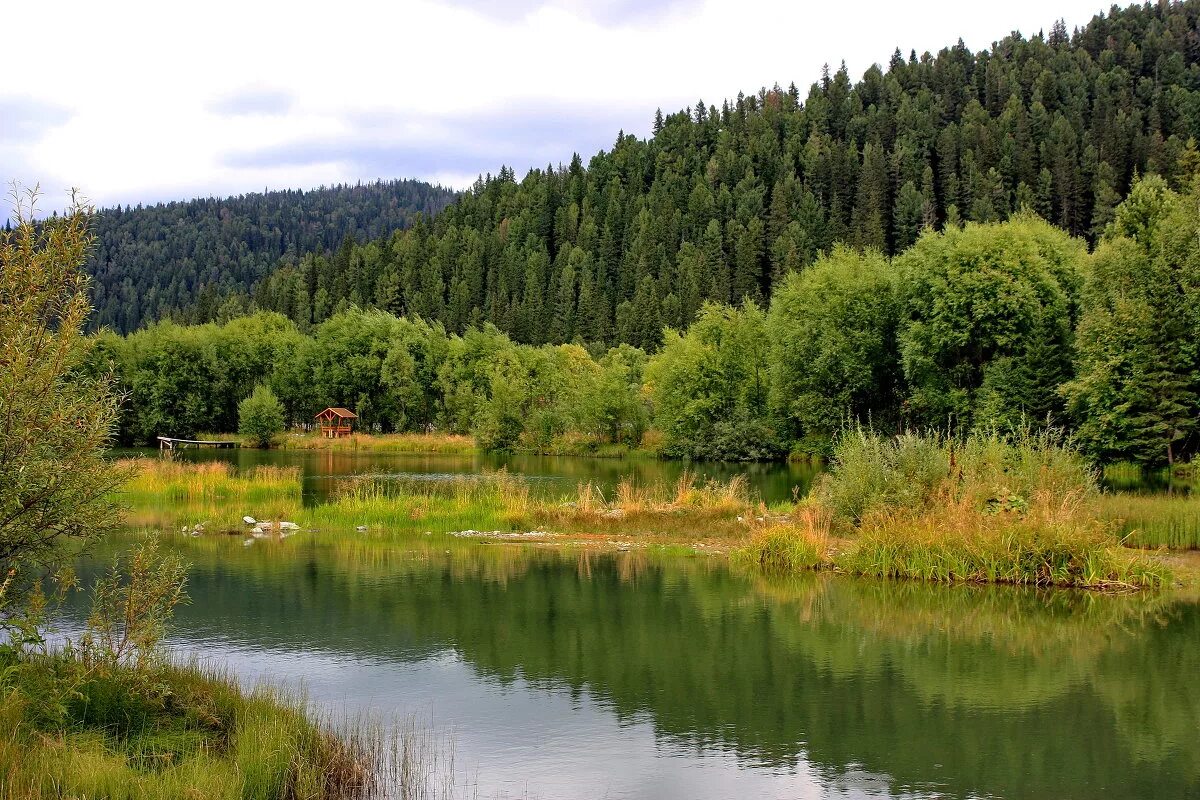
(1056, 539)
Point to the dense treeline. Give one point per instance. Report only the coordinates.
(723, 202)
(988, 325)
(151, 261)
(397, 373)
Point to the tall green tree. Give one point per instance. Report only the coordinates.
(833, 347)
(986, 320)
(1137, 392)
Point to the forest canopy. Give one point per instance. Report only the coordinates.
(991, 326)
(725, 200)
(184, 259)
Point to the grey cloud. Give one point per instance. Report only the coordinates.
(385, 145)
(248, 102)
(25, 119)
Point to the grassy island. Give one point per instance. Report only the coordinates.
(1021, 509)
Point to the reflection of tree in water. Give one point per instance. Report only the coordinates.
(1014, 693)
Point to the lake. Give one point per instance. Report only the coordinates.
(579, 674)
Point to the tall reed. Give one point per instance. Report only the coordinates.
(1156, 520)
(1020, 508)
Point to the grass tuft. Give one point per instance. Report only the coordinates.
(801, 544)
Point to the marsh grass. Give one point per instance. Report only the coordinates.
(165, 479)
(987, 471)
(164, 492)
(500, 501)
(683, 510)
(802, 543)
(492, 501)
(193, 733)
(686, 494)
(987, 508)
(424, 443)
(1046, 544)
(1158, 520)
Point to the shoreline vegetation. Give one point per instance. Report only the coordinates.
(168, 731)
(107, 713)
(853, 337)
(102, 712)
(182, 729)
(985, 508)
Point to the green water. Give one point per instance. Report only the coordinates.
(635, 675)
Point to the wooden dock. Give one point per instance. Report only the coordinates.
(170, 443)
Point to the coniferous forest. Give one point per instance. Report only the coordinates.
(725, 199)
(181, 259)
(963, 240)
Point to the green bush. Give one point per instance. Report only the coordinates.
(709, 387)
(260, 417)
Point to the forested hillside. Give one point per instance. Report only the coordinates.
(151, 260)
(988, 326)
(723, 201)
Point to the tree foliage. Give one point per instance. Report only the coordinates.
(55, 419)
(833, 335)
(1137, 391)
(260, 417)
(724, 200)
(986, 322)
(710, 386)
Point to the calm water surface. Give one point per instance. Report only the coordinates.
(628, 675)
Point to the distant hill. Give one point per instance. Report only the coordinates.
(151, 261)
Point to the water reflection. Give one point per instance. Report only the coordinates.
(631, 675)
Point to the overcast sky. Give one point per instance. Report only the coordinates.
(147, 101)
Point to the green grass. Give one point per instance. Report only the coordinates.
(166, 493)
(1156, 520)
(176, 732)
(491, 501)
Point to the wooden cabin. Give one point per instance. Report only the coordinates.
(336, 422)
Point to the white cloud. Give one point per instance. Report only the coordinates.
(147, 101)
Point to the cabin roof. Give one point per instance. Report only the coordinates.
(338, 411)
